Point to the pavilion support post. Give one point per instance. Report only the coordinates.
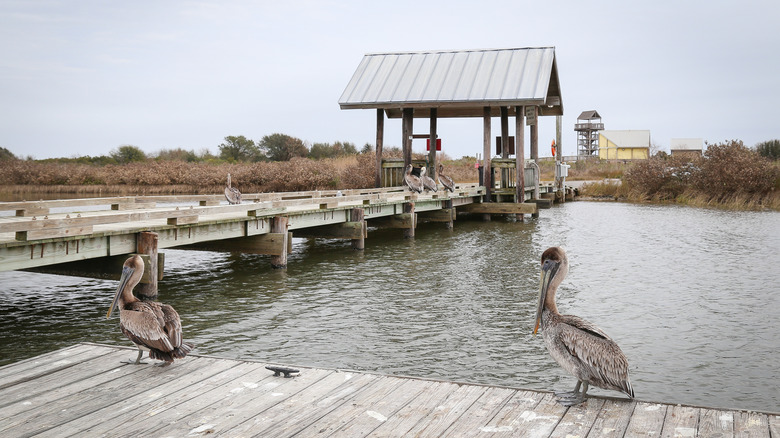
(432, 141)
(146, 243)
(535, 144)
(380, 140)
(279, 225)
(520, 156)
(504, 145)
(358, 215)
(487, 174)
(409, 232)
(407, 123)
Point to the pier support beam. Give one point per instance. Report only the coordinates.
(409, 232)
(279, 225)
(358, 215)
(146, 243)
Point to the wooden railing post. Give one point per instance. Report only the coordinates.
(358, 215)
(146, 243)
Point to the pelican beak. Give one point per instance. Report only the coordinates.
(549, 268)
(126, 273)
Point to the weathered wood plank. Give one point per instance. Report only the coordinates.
(38, 367)
(407, 417)
(511, 417)
(716, 423)
(183, 220)
(751, 424)
(647, 420)
(442, 416)
(50, 233)
(500, 208)
(613, 419)
(681, 421)
(480, 412)
(578, 420)
(774, 426)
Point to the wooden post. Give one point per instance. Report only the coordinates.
(409, 232)
(448, 205)
(358, 215)
(520, 156)
(380, 140)
(504, 146)
(486, 136)
(279, 225)
(146, 243)
(432, 152)
(535, 144)
(406, 131)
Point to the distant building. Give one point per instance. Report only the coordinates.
(588, 126)
(687, 146)
(624, 145)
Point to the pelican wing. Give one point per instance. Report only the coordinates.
(144, 326)
(598, 354)
(447, 182)
(171, 324)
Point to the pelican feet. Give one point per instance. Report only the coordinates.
(137, 360)
(574, 397)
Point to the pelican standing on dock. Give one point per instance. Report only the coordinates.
(151, 326)
(412, 181)
(428, 183)
(445, 180)
(578, 346)
(231, 193)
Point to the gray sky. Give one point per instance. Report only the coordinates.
(83, 77)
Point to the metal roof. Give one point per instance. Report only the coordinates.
(687, 144)
(628, 139)
(457, 83)
(589, 115)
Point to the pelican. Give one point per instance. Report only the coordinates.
(445, 180)
(151, 326)
(427, 181)
(578, 346)
(412, 181)
(231, 193)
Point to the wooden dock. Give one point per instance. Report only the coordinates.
(84, 390)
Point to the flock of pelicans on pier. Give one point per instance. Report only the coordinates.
(577, 345)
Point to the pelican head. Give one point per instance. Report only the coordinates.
(132, 271)
(423, 170)
(555, 265)
(408, 169)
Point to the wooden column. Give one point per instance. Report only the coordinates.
(486, 173)
(448, 205)
(380, 140)
(520, 156)
(432, 139)
(504, 146)
(146, 243)
(409, 232)
(358, 215)
(535, 144)
(407, 123)
(279, 225)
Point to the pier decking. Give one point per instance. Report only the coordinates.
(85, 390)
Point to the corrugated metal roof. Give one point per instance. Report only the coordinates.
(458, 83)
(628, 139)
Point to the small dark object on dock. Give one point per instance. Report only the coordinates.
(279, 370)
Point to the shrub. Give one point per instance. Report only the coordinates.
(731, 168)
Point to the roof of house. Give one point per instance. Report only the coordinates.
(628, 138)
(686, 144)
(589, 115)
(459, 83)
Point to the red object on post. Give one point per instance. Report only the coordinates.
(428, 144)
(552, 147)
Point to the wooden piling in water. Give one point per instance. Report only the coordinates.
(409, 208)
(146, 243)
(358, 215)
(279, 225)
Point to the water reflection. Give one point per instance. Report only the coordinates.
(681, 290)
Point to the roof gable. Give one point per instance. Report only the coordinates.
(628, 139)
(457, 83)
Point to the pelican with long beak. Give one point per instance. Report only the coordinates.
(412, 181)
(578, 346)
(445, 180)
(151, 326)
(232, 194)
(428, 183)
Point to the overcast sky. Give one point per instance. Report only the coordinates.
(85, 77)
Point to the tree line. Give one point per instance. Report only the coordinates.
(234, 149)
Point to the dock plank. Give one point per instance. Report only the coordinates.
(96, 395)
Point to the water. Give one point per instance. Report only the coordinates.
(690, 295)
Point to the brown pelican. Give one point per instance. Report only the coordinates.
(151, 326)
(231, 193)
(427, 181)
(445, 180)
(412, 181)
(578, 346)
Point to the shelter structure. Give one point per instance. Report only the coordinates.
(518, 82)
(624, 145)
(587, 127)
(691, 147)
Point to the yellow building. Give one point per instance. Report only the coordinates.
(624, 145)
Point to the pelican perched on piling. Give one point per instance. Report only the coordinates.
(578, 346)
(231, 193)
(151, 326)
(445, 180)
(412, 181)
(428, 183)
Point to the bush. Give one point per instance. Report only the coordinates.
(731, 168)
(663, 178)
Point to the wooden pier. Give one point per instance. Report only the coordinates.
(64, 236)
(85, 390)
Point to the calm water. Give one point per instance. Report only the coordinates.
(690, 295)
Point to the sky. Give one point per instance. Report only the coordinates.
(84, 77)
